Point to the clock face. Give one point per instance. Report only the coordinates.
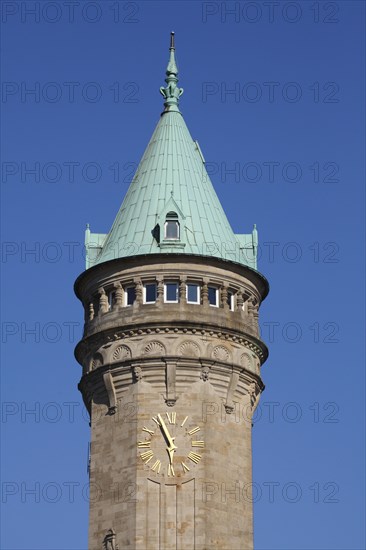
(170, 445)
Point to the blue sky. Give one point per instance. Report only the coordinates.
(275, 96)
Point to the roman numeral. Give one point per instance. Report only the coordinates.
(144, 444)
(172, 417)
(198, 443)
(171, 472)
(147, 456)
(195, 457)
(184, 421)
(156, 466)
(155, 419)
(194, 430)
(185, 467)
(151, 432)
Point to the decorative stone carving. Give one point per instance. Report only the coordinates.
(97, 361)
(221, 353)
(205, 373)
(121, 353)
(246, 361)
(154, 348)
(109, 542)
(137, 373)
(189, 349)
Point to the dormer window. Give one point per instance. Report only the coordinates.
(171, 227)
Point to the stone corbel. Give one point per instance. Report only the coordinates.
(229, 404)
(254, 395)
(109, 386)
(109, 541)
(170, 377)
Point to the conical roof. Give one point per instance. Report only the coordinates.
(171, 184)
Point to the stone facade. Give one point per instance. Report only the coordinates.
(198, 367)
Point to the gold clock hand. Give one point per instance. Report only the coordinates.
(172, 447)
(171, 454)
(169, 438)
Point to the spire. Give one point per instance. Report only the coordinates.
(171, 178)
(171, 93)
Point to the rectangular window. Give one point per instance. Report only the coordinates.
(193, 293)
(213, 296)
(150, 293)
(230, 300)
(111, 299)
(130, 295)
(172, 229)
(171, 292)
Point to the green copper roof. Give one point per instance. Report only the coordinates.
(171, 178)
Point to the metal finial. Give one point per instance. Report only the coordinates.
(171, 92)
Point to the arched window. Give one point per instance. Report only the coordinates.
(171, 227)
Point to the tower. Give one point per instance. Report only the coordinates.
(171, 356)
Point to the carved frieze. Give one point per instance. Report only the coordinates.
(154, 348)
(121, 352)
(189, 349)
(221, 353)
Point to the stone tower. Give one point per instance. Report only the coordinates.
(171, 356)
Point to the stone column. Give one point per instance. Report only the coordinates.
(205, 301)
(139, 293)
(160, 291)
(118, 295)
(223, 296)
(103, 301)
(183, 290)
